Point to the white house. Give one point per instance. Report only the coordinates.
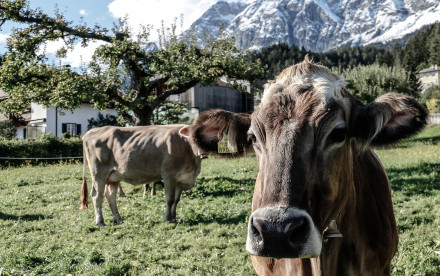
(429, 76)
(57, 121)
(53, 120)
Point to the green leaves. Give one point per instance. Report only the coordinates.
(169, 112)
(7, 130)
(368, 82)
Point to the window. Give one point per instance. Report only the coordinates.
(32, 131)
(71, 129)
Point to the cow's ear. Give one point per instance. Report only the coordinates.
(388, 119)
(212, 125)
(184, 132)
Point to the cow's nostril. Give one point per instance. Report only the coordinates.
(257, 228)
(297, 232)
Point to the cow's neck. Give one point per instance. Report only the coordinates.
(336, 256)
(368, 224)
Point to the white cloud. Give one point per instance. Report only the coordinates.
(51, 47)
(3, 38)
(82, 55)
(82, 12)
(76, 57)
(152, 12)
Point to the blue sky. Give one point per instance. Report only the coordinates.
(105, 12)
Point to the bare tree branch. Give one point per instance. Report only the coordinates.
(162, 97)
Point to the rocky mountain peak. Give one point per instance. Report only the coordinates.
(318, 25)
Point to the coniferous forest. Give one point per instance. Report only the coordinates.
(384, 68)
(420, 51)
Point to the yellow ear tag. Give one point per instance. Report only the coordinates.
(226, 146)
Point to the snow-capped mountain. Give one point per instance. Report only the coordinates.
(218, 15)
(318, 25)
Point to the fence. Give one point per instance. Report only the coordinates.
(434, 119)
(19, 161)
(46, 150)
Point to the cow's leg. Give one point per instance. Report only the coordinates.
(145, 189)
(121, 192)
(98, 196)
(177, 194)
(153, 189)
(111, 189)
(170, 192)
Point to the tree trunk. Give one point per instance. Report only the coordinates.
(144, 118)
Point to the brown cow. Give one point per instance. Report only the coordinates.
(138, 155)
(317, 173)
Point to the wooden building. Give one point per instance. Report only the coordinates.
(222, 96)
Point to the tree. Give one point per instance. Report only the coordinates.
(434, 45)
(416, 52)
(101, 120)
(7, 129)
(169, 113)
(368, 82)
(431, 98)
(123, 73)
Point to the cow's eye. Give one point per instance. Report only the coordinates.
(252, 139)
(337, 135)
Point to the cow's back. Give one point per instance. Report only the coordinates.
(138, 155)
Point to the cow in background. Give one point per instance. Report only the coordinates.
(322, 200)
(138, 155)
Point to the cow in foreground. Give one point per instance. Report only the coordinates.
(138, 155)
(322, 201)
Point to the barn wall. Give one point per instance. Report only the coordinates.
(211, 97)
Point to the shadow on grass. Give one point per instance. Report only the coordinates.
(232, 220)
(209, 186)
(35, 217)
(417, 180)
(432, 139)
(220, 186)
(407, 143)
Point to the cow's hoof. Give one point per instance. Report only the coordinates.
(118, 222)
(101, 224)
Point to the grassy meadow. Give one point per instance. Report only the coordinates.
(43, 232)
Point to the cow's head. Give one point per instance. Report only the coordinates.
(304, 133)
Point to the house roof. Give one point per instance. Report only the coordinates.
(433, 68)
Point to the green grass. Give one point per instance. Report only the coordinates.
(413, 168)
(44, 232)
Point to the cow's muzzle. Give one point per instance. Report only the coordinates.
(285, 232)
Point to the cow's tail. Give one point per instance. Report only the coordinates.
(84, 190)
